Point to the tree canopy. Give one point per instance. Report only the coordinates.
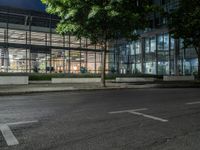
(100, 19)
(184, 23)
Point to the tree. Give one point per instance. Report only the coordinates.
(100, 20)
(184, 23)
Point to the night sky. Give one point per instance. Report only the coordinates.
(27, 4)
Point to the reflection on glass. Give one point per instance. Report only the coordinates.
(160, 42)
(15, 61)
(147, 45)
(137, 47)
(153, 44)
(150, 68)
(166, 42)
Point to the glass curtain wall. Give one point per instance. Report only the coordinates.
(29, 43)
(132, 58)
(150, 55)
(17, 36)
(91, 63)
(39, 62)
(4, 59)
(158, 54)
(138, 57)
(37, 56)
(124, 49)
(188, 60)
(129, 58)
(172, 56)
(58, 61)
(98, 56)
(163, 54)
(2, 31)
(17, 60)
(39, 38)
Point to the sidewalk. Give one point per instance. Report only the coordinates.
(45, 87)
(39, 88)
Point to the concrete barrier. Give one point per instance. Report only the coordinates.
(13, 80)
(40, 82)
(136, 79)
(76, 80)
(178, 78)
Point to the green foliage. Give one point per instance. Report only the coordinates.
(44, 77)
(100, 20)
(48, 77)
(113, 70)
(83, 70)
(12, 74)
(140, 75)
(185, 23)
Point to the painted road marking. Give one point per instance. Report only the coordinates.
(193, 103)
(134, 111)
(149, 116)
(21, 123)
(7, 133)
(125, 111)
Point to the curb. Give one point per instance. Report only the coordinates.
(53, 91)
(72, 89)
(150, 86)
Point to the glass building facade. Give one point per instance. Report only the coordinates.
(29, 44)
(158, 55)
(156, 52)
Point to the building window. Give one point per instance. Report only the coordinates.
(153, 44)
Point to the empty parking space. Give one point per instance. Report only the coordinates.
(7, 133)
(115, 120)
(136, 112)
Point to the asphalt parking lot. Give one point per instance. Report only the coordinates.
(132, 119)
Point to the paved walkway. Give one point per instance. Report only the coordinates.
(45, 87)
(35, 88)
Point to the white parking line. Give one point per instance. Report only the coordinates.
(149, 116)
(22, 122)
(134, 111)
(193, 103)
(125, 111)
(7, 133)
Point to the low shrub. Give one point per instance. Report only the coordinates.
(48, 77)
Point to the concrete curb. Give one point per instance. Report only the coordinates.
(48, 91)
(74, 89)
(122, 87)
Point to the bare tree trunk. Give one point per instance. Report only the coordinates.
(103, 71)
(198, 65)
(198, 55)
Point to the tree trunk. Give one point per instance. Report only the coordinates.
(103, 71)
(198, 55)
(198, 65)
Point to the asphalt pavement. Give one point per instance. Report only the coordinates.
(123, 119)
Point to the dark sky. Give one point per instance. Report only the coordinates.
(27, 4)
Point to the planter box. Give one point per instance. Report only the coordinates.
(13, 80)
(137, 79)
(40, 82)
(76, 80)
(178, 78)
